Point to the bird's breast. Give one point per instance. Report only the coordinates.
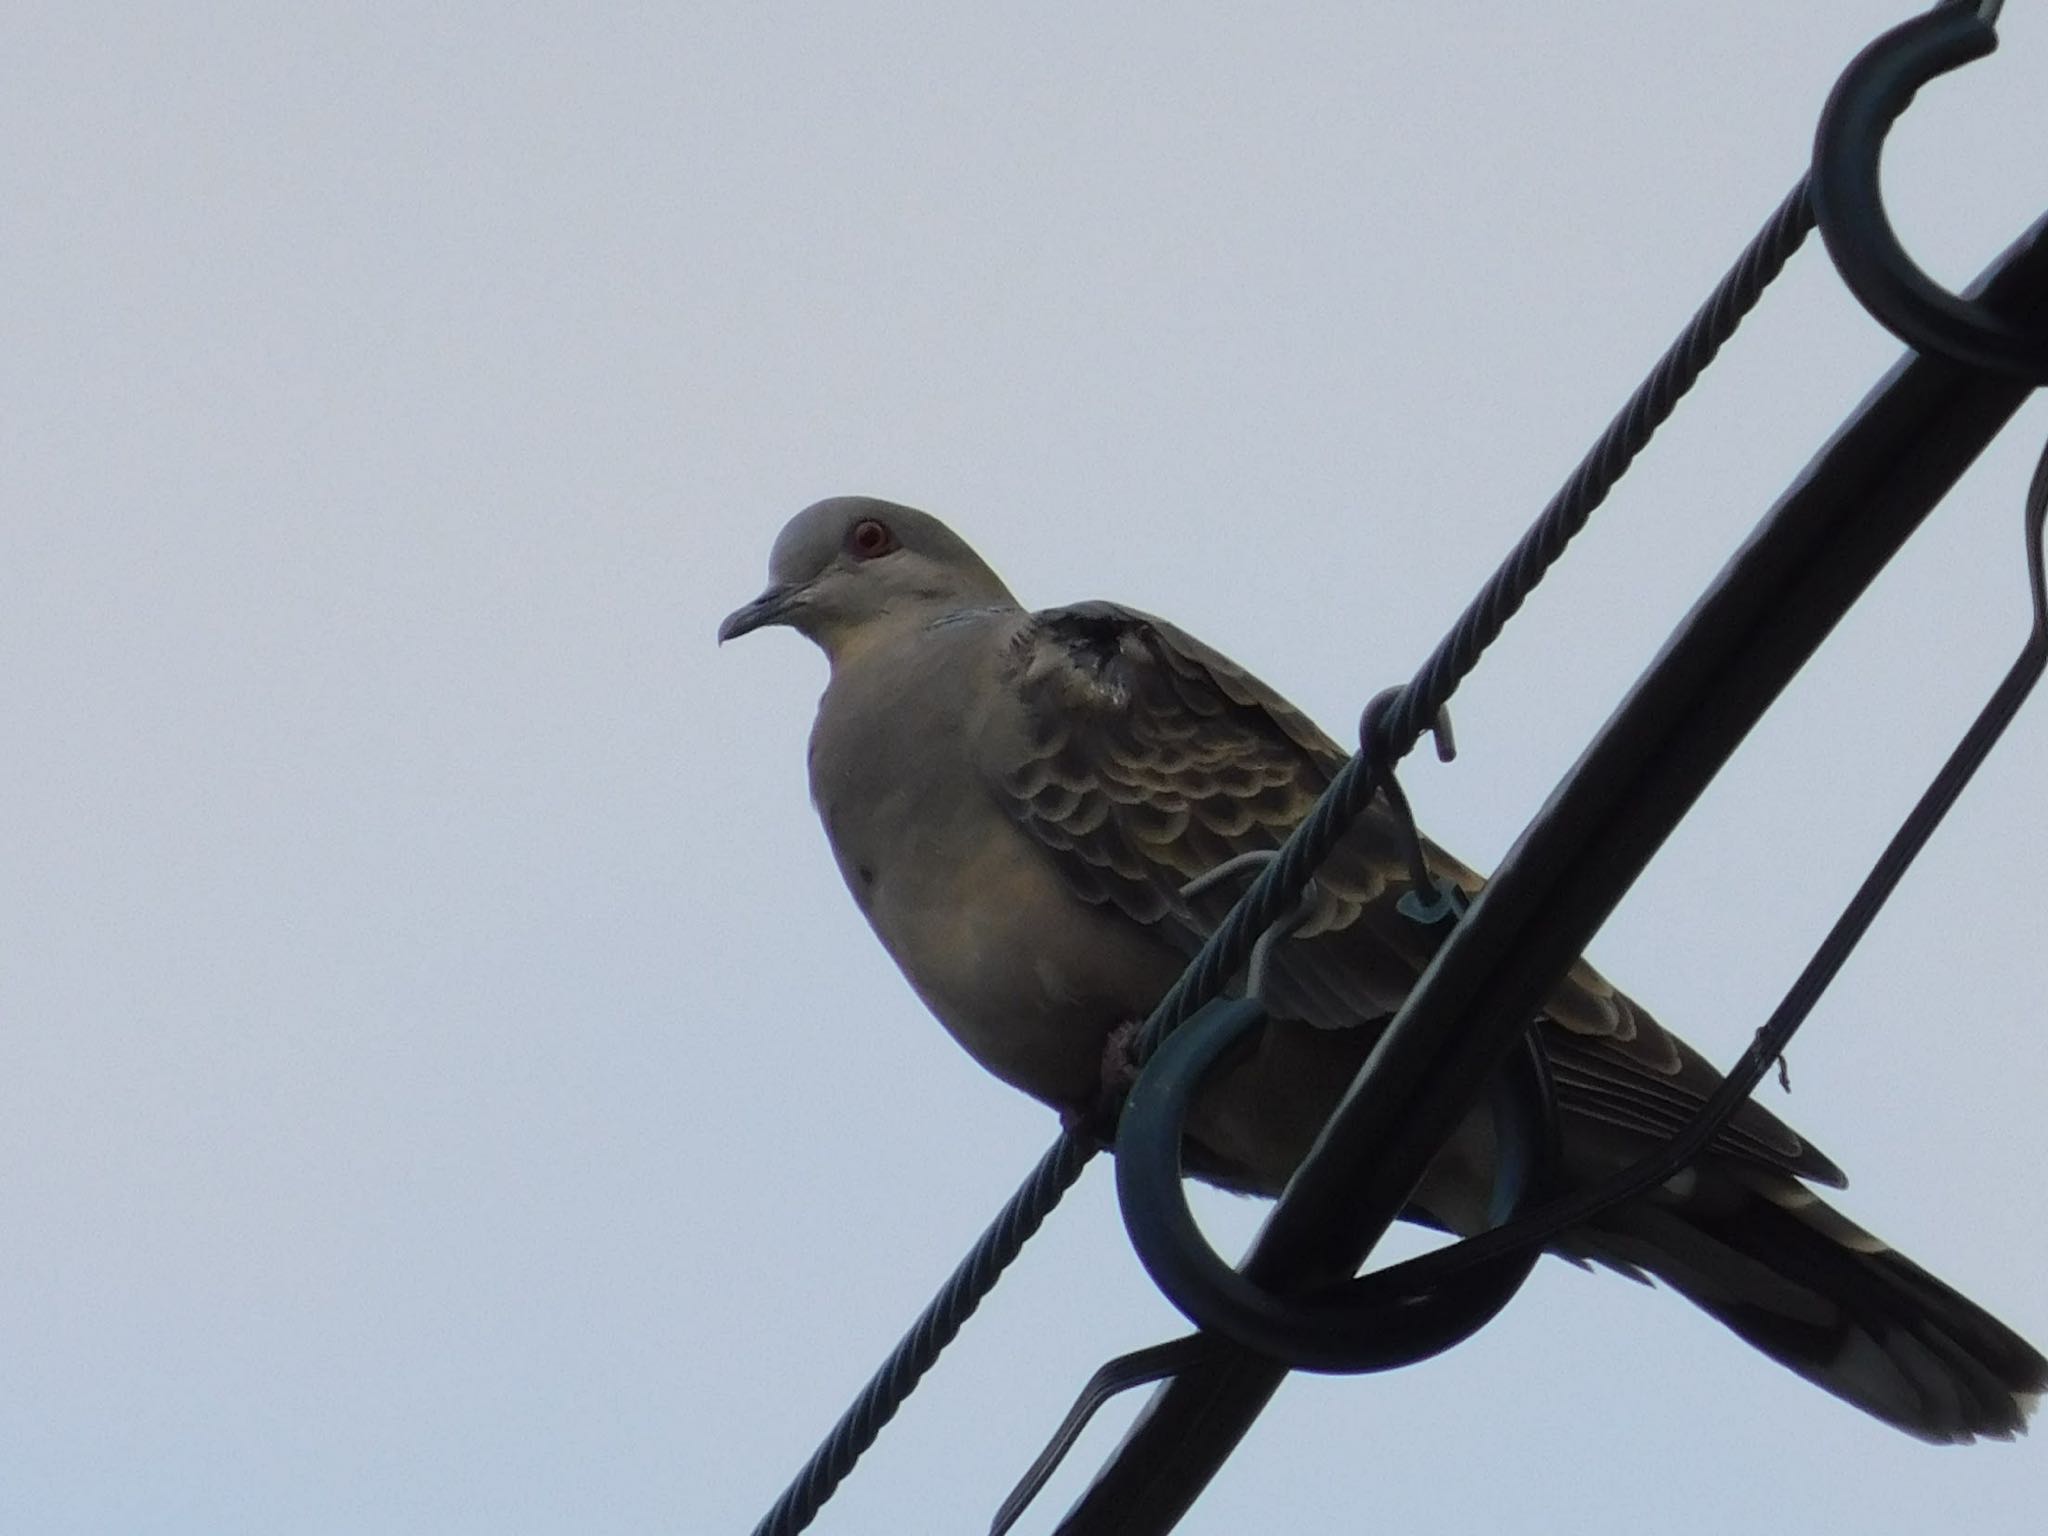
(1023, 973)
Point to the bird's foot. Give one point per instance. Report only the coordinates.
(1119, 1070)
(1120, 1059)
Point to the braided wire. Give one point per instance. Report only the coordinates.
(1393, 725)
(1393, 731)
(915, 1352)
(1604, 464)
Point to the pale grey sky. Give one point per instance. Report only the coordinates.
(446, 1088)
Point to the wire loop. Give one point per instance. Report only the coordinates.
(1531, 1229)
(1848, 200)
(1139, 1368)
(1351, 1326)
(1377, 744)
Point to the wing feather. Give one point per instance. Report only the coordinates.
(1146, 759)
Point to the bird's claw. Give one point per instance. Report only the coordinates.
(1119, 1070)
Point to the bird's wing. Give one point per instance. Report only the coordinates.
(1144, 758)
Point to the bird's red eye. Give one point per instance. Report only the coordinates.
(869, 538)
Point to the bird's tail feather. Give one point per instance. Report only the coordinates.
(1793, 1276)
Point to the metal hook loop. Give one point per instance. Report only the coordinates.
(1373, 732)
(1356, 1325)
(1848, 202)
(1139, 1368)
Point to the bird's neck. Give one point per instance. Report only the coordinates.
(853, 646)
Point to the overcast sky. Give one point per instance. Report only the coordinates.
(445, 1086)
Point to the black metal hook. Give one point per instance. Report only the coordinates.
(1139, 1368)
(1355, 1325)
(1256, 862)
(1431, 900)
(1423, 1306)
(1848, 201)
(1531, 1229)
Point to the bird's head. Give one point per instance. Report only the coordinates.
(843, 567)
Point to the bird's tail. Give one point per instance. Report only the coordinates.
(1804, 1284)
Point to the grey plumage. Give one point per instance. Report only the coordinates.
(1016, 800)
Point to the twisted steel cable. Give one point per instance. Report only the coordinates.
(914, 1354)
(1393, 730)
(1605, 463)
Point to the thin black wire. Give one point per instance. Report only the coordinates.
(1415, 708)
(1770, 1040)
(934, 1329)
(1607, 461)
(1411, 711)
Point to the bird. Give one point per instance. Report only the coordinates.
(1019, 801)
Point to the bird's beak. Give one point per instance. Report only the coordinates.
(771, 607)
